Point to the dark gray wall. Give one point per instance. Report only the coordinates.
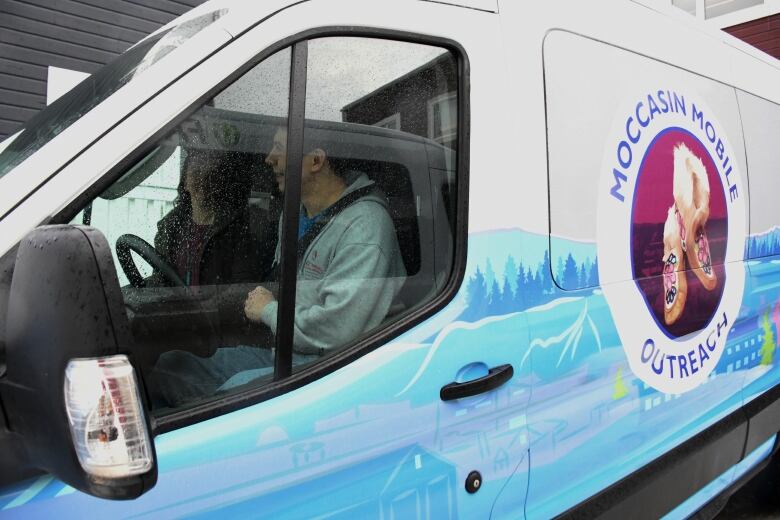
(80, 35)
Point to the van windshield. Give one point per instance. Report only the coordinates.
(85, 96)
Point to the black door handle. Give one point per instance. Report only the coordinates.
(496, 377)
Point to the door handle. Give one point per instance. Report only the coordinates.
(495, 377)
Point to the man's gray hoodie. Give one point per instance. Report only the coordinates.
(348, 276)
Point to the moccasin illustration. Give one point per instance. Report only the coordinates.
(675, 283)
(692, 200)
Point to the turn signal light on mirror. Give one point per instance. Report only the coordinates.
(106, 417)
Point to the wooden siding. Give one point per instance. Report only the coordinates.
(80, 35)
(763, 33)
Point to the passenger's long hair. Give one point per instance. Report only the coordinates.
(225, 181)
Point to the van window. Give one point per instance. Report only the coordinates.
(196, 224)
(580, 124)
(761, 125)
(193, 228)
(377, 256)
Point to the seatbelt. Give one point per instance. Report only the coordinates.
(305, 241)
(325, 217)
(329, 214)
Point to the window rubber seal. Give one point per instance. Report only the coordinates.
(288, 266)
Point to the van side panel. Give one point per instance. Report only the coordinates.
(594, 417)
(372, 440)
(761, 123)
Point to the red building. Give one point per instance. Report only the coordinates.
(763, 33)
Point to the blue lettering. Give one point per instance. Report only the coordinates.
(649, 343)
(642, 122)
(703, 353)
(724, 324)
(732, 188)
(660, 367)
(710, 131)
(692, 360)
(683, 365)
(653, 107)
(679, 104)
(621, 147)
(697, 116)
(671, 364)
(711, 344)
(719, 149)
(633, 138)
(726, 174)
(662, 99)
(619, 179)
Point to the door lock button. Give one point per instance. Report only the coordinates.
(473, 482)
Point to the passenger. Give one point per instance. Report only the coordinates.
(349, 271)
(210, 236)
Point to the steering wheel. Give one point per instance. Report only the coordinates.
(127, 243)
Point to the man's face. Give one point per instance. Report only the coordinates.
(277, 157)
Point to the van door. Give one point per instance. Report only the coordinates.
(626, 367)
(390, 402)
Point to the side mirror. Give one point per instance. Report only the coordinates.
(70, 392)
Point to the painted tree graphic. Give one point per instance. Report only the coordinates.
(559, 271)
(621, 390)
(495, 299)
(523, 286)
(768, 348)
(510, 272)
(477, 296)
(547, 283)
(570, 275)
(507, 294)
(593, 279)
(490, 276)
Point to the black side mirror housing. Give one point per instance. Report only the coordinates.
(65, 303)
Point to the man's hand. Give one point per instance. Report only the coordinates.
(256, 301)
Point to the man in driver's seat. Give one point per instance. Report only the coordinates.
(349, 271)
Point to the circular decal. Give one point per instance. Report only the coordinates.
(227, 135)
(671, 218)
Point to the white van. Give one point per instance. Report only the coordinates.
(395, 259)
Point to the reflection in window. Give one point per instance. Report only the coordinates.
(422, 95)
(193, 228)
(377, 203)
(392, 122)
(140, 209)
(376, 233)
(442, 119)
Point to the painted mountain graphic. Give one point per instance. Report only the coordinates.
(568, 331)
